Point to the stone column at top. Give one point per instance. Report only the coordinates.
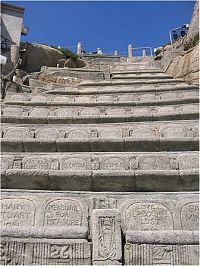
(79, 48)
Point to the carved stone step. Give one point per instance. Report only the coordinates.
(129, 99)
(166, 211)
(138, 72)
(136, 82)
(101, 114)
(94, 171)
(149, 136)
(174, 214)
(109, 89)
(140, 76)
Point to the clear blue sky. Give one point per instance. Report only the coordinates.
(108, 25)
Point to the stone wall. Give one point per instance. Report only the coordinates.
(186, 66)
(11, 27)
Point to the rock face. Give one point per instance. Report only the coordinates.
(102, 173)
(38, 55)
(194, 25)
(186, 66)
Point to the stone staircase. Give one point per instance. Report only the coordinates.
(102, 174)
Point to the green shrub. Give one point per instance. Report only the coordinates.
(68, 54)
(192, 43)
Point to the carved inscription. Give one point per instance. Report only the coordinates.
(107, 241)
(110, 133)
(35, 163)
(12, 111)
(39, 112)
(105, 98)
(174, 132)
(60, 254)
(64, 112)
(148, 216)
(63, 212)
(6, 163)
(116, 112)
(77, 134)
(16, 133)
(190, 216)
(74, 164)
(17, 212)
(154, 163)
(89, 112)
(113, 163)
(38, 98)
(46, 133)
(162, 255)
(145, 254)
(12, 253)
(142, 132)
(188, 161)
(62, 99)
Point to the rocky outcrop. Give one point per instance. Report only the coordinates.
(194, 25)
(38, 55)
(186, 66)
(71, 63)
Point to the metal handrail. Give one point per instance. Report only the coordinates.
(147, 47)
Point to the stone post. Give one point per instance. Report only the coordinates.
(143, 53)
(79, 48)
(106, 237)
(116, 52)
(130, 53)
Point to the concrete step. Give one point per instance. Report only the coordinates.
(155, 81)
(144, 71)
(134, 98)
(140, 76)
(111, 89)
(177, 207)
(63, 114)
(146, 136)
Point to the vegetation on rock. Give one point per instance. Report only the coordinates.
(68, 54)
(192, 43)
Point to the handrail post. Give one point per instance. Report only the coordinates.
(116, 52)
(130, 53)
(78, 48)
(143, 53)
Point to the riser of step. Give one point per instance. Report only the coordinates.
(123, 76)
(138, 72)
(143, 162)
(88, 119)
(116, 99)
(110, 90)
(59, 115)
(104, 145)
(136, 82)
(101, 180)
(178, 205)
(141, 130)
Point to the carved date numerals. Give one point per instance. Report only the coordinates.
(59, 252)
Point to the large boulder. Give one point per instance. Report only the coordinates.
(186, 66)
(38, 55)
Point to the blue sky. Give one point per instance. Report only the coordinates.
(108, 25)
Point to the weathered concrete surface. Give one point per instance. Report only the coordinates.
(186, 66)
